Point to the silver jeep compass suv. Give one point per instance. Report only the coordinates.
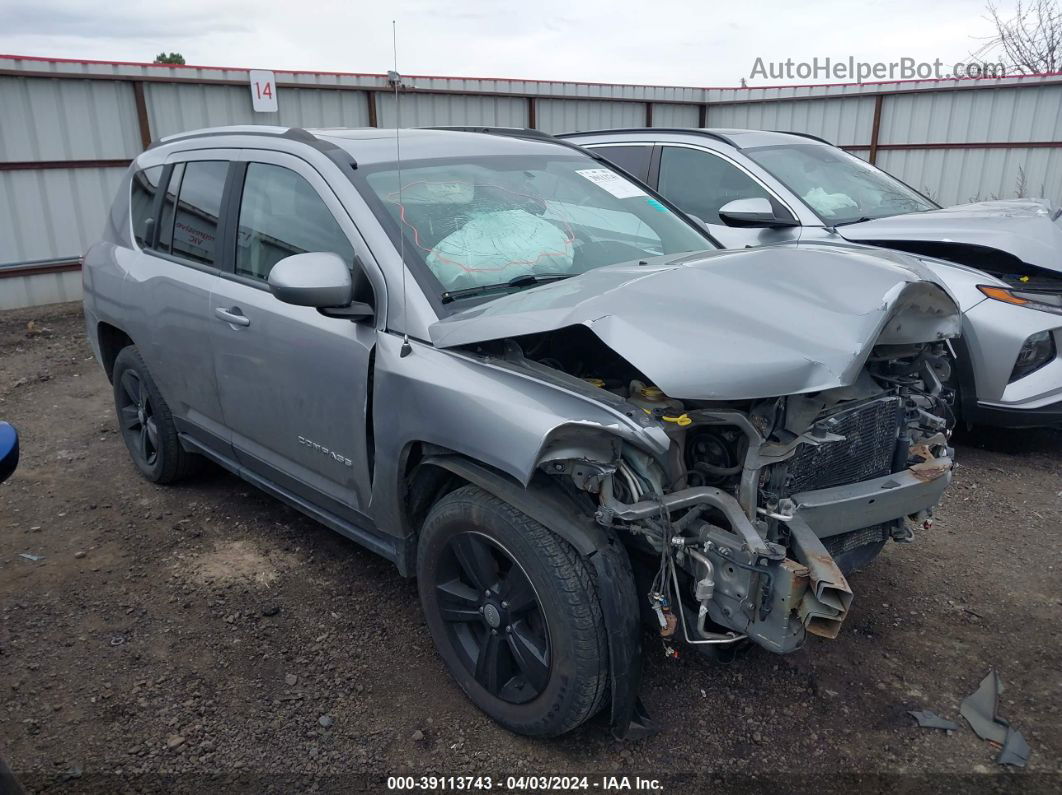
(531, 383)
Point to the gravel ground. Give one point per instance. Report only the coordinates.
(204, 636)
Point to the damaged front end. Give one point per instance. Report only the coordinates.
(762, 509)
(749, 524)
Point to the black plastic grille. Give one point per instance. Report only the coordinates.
(870, 431)
(845, 542)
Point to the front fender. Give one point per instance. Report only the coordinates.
(492, 414)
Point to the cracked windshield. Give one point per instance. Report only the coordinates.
(499, 224)
(839, 187)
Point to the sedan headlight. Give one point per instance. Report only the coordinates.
(1038, 350)
(1044, 300)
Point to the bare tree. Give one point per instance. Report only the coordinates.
(1030, 41)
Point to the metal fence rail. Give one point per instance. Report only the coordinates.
(69, 128)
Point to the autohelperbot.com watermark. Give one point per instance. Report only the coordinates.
(853, 70)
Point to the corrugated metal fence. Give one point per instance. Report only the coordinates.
(69, 128)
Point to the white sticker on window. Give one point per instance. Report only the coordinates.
(618, 186)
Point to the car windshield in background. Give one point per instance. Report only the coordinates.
(491, 225)
(839, 187)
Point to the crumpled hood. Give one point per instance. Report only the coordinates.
(730, 325)
(1027, 228)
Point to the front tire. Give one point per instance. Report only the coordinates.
(514, 614)
(146, 423)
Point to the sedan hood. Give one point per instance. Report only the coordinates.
(730, 325)
(1025, 228)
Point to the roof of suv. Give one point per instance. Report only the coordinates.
(737, 138)
(371, 145)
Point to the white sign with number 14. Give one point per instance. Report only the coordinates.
(263, 91)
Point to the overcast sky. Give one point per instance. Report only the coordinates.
(619, 41)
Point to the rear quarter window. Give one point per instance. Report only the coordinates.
(144, 188)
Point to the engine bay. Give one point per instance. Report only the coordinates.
(727, 549)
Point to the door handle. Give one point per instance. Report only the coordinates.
(233, 316)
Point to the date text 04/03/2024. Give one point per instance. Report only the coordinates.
(528, 783)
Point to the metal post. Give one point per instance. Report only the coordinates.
(370, 97)
(875, 129)
(142, 114)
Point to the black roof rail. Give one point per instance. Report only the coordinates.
(803, 135)
(684, 130)
(513, 132)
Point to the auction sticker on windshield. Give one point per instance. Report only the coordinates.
(612, 182)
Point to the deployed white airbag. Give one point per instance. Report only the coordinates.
(828, 203)
(494, 247)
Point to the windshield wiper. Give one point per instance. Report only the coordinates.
(859, 220)
(523, 280)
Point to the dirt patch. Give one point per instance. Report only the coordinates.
(234, 563)
(207, 629)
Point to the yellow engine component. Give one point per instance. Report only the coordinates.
(652, 400)
(682, 420)
(652, 393)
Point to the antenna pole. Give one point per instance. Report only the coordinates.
(406, 347)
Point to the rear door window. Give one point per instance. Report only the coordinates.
(198, 209)
(145, 187)
(632, 159)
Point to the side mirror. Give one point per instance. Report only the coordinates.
(8, 450)
(317, 279)
(752, 213)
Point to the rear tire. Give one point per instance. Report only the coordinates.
(514, 614)
(146, 423)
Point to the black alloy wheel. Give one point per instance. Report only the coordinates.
(145, 422)
(136, 414)
(514, 613)
(493, 617)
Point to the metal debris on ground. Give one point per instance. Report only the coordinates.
(30, 556)
(931, 720)
(979, 710)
